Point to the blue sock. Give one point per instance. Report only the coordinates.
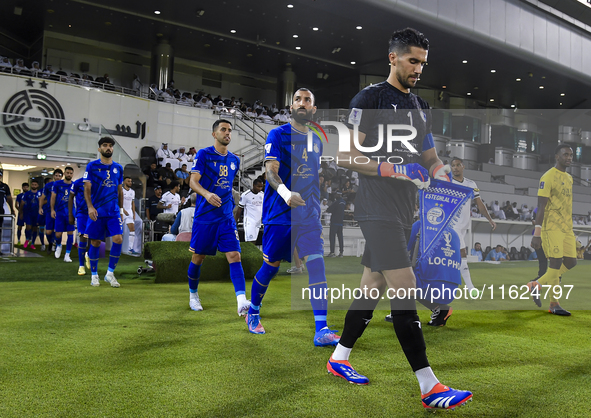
(49, 241)
(194, 273)
(69, 243)
(33, 237)
(27, 235)
(259, 286)
(237, 277)
(114, 255)
(93, 255)
(81, 253)
(317, 286)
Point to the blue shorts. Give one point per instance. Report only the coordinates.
(206, 238)
(279, 241)
(49, 221)
(41, 220)
(19, 221)
(62, 224)
(81, 222)
(32, 219)
(104, 227)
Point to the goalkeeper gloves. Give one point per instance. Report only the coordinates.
(410, 172)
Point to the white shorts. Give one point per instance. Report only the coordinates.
(462, 234)
(251, 230)
(128, 219)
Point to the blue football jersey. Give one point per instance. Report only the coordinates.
(47, 193)
(77, 190)
(217, 176)
(105, 180)
(31, 201)
(299, 167)
(19, 197)
(62, 194)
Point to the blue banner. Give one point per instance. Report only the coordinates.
(439, 205)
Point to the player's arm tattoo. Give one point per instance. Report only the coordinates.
(272, 170)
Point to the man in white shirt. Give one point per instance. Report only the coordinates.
(265, 118)
(183, 221)
(163, 154)
(171, 199)
(181, 155)
(129, 211)
(251, 202)
(463, 223)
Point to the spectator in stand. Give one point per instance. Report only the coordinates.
(181, 155)
(171, 200)
(5, 63)
(48, 71)
(347, 190)
(282, 116)
(251, 113)
(274, 109)
(499, 254)
(35, 68)
(186, 100)
(203, 103)
(497, 210)
(191, 154)
(509, 214)
(153, 206)
(168, 96)
(183, 221)
(218, 99)
(20, 66)
(136, 85)
(525, 213)
(265, 118)
(167, 175)
(477, 251)
(337, 211)
(220, 107)
(182, 176)
(155, 91)
(163, 154)
(474, 211)
(154, 179)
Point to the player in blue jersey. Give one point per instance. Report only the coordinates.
(45, 209)
(384, 209)
(291, 214)
(214, 227)
(79, 216)
(60, 193)
(20, 219)
(103, 192)
(30, 209)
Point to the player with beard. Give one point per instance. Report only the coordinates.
(291, 214)
(45, 210)
(103, 192)
(59, 212)
(384, 209)
(30, 208)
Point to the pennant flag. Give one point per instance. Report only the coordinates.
(440, 203)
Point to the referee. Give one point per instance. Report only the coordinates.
(554, 227)
(385, 207)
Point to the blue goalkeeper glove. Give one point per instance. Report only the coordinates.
(410, 172)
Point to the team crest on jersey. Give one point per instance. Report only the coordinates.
(355, 116)
(233, 166)
(316, 149)
(115, 170)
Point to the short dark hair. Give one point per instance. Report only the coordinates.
(561, 146)
(106, 140)
(457, 159)
(24, 184)
(184, 165)
(217, 123)
(257, 181)
(126, 177)
(34, 181)
(402, 40)
(47, 180)
(69, 168)
(309, 91)
(173, 184)
(58, 171)
(477, 243)
(499, 245)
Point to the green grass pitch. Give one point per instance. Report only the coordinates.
(70, 350)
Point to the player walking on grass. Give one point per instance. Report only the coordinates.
(554, 227)
(20, 219)
(386, 200)
(463, 223)
(60, 192)
(45, 210)
(30, 209)
(129, 212)
(79, 216)
(212, 177)
(291, 214)
(103, 181)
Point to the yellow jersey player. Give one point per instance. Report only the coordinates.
(554, 227)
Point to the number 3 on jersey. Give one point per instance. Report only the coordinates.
(223, 171)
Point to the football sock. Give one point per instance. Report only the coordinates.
(42, 236)
(54, 238)
(49, 240)
(317, 286)
(237, 277)
(341, 352)
(131, 240)
(427, 379)
(81, 253)
(563, 269)
(194, 272)
(552, 278)
(93, 255)
(33, 236)
(466, 274)
(27, 235)
(407, 326)
(260, 284)
(69, 242)
(356, 320)
(114, 255)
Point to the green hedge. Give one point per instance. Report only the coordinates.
(171, 261)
